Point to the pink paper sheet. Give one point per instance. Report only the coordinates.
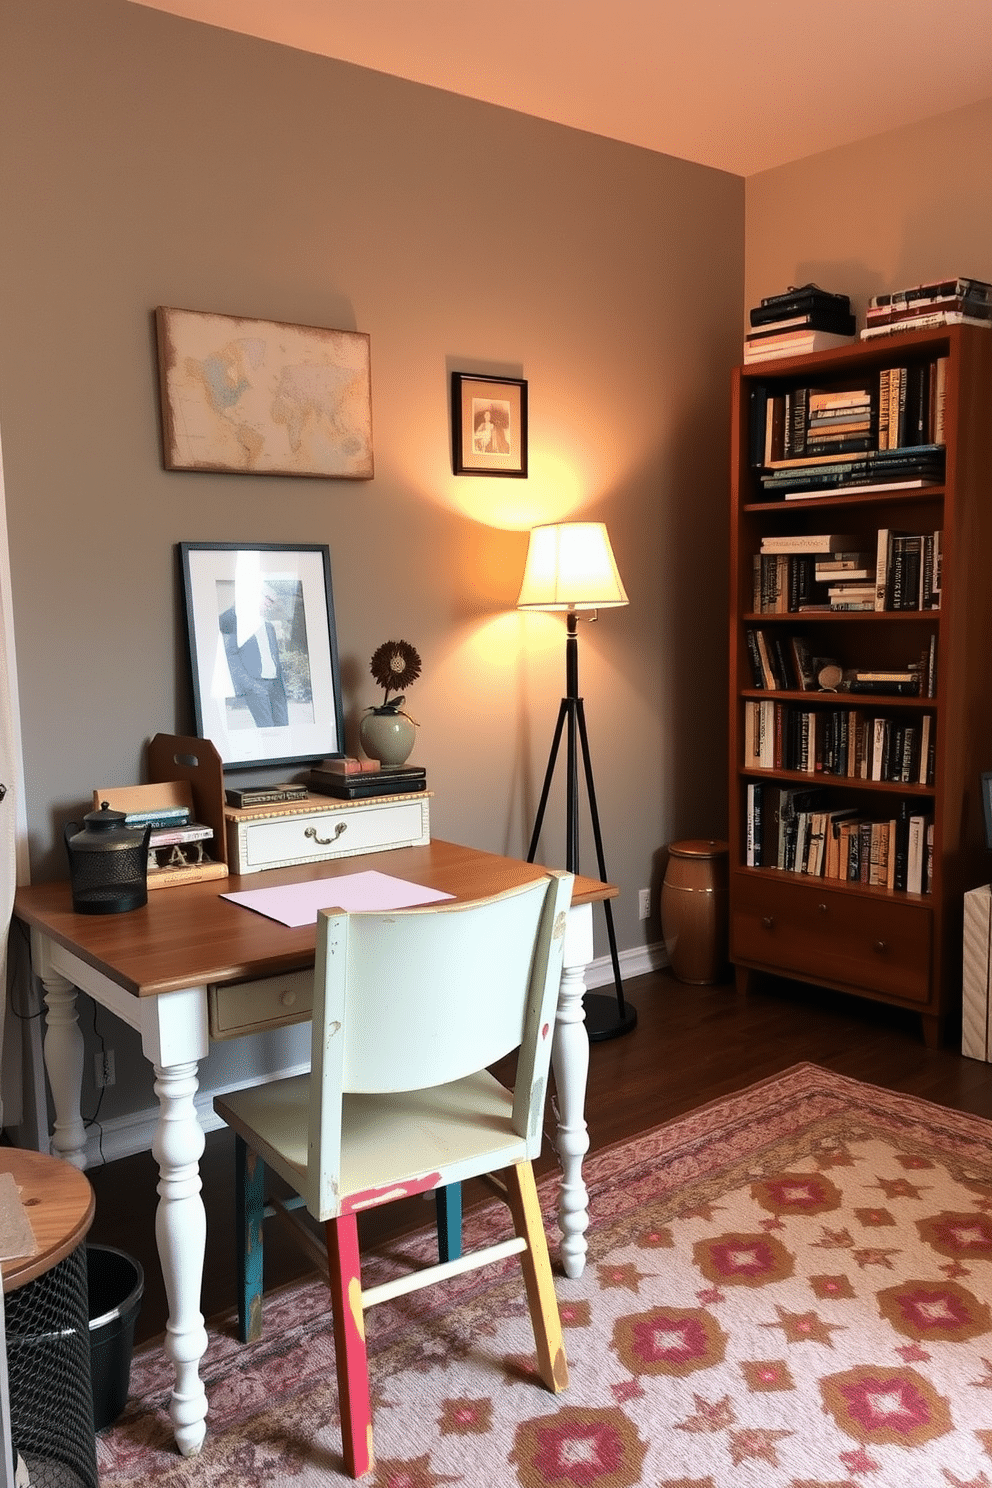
(297, 904)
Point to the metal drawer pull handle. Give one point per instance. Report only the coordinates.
(768, 921)
(287, 998)
(822, 908)
(326, 841)
(881, 947)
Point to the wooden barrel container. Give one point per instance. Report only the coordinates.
(694, 910)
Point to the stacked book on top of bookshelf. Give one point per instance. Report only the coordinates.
(942, 302)
(798, 321)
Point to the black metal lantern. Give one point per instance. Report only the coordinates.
(108, 863)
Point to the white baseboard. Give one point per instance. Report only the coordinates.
(638, 961)
(123, 1136)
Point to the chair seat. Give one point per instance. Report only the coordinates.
(456, 1127)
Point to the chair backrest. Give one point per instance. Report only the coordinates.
(412, 998)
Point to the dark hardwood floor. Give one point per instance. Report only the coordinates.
(691, 1045)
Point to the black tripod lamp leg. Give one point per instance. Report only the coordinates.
(605, 1019)
(548, 777)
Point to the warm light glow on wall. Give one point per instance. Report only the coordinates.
(552, 491)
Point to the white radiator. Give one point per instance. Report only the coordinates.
(976, 1027)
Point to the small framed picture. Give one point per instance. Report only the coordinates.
(489, 425)
(263, 651)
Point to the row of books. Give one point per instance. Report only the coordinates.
(960, 301)
(904, 571)
(875, 470)
(898, 407)
(795, 831)
(784, 662)
(849, 742)
(908, 570)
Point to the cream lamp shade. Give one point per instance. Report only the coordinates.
(570, 566)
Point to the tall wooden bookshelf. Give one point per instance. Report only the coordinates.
(874, 940)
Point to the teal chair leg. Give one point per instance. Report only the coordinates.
(449, 1222)
(249, 1202)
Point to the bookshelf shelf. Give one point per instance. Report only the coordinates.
(837, 782)
(853, 499)
(880, 918)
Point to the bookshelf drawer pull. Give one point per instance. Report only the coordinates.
(288, 999)
(768, 921)
(822, 908)
(326, 841)
(881, 946)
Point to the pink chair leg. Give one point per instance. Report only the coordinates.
(344, 1267)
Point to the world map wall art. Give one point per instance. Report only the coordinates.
(260, 397)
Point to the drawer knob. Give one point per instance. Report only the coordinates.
(822, 908)
(881, 947)
(768, 921)
(326, 841)
(287, 998)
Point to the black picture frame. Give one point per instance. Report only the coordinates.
(263, 651)
(489, 425)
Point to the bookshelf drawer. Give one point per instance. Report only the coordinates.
(236, 1008)
(807, 929)
(310, 833)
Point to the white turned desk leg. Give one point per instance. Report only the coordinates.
(570, 1061)
(181, 1233)
(64, 1062)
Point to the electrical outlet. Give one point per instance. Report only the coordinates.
(103, 1069)
(644, 904)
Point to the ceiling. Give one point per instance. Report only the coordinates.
(742, 85)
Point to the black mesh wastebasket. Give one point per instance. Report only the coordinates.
(48, 1359)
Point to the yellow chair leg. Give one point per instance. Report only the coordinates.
(536, 1263)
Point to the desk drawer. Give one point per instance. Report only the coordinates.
(864, 942)
(283, 839)
(236, 1008)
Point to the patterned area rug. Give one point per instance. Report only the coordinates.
(788, 1288)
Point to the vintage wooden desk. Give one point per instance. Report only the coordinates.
(154, 968)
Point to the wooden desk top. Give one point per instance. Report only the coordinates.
(188, 936)
(59, 1203)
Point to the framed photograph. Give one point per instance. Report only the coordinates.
(263, 398)
(263, 651)
(489, 423)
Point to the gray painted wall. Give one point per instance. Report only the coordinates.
(148, 160)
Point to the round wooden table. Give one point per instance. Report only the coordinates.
(47, 1323)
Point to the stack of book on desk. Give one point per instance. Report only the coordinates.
(330, 779)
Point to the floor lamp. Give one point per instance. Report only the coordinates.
(570, 567)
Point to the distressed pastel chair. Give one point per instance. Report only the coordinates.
(410, 1009)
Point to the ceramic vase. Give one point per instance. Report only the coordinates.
(387, 736)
